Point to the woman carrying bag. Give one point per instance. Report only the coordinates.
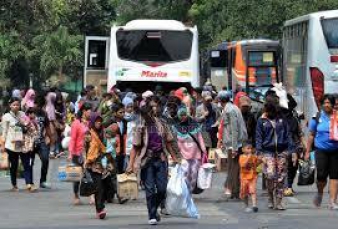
(13, 126)
(77, 144)
(191, 145)
(100, 165)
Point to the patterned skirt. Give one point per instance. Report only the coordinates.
(190, 169)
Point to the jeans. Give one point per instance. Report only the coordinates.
(155, 178)
(43, 151)
(14, 163)
(77, 160)
(103, 186)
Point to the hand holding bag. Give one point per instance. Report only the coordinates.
(87, 185)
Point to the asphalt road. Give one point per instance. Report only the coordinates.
(53, 209)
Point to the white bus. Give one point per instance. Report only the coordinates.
(148, 52)
(311, 58)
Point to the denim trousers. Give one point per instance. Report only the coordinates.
(155, 178)
(43, 151)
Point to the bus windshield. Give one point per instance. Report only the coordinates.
(262, 73)
(154, 46)
(330, 30)
(261, 58)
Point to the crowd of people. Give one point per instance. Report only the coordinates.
(126, 132)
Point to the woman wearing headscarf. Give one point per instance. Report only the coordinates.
(50, 110)
(191, 145)
(130, 117)
(29, 100)
(60, 122)
(100, 164)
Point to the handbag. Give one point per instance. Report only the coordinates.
(87, 185)
(4, 163)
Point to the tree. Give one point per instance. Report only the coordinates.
(57, 50)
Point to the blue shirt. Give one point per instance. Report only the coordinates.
(322, 130)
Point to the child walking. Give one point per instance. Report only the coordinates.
(113, 148)
(248, 173)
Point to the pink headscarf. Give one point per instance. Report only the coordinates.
(28, 100)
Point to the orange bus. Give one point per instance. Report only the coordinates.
(253, 66)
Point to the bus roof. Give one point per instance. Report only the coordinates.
(255, 42)
(155, 25)
(317, 15)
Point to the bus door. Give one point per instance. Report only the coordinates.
(218, 68)
(261, 72)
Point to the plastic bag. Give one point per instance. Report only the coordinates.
(306, 173)
(175, 181)
(65, 143)
(204, 178)
(181, 205)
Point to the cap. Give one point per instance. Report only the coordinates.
(223, 95)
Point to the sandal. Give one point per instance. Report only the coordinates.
(333, 206)
(288, 192)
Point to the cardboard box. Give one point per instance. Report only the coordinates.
(221, 160)
(127, 187)
(70, 173)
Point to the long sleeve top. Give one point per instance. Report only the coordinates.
(232, 128)
(11, 132)
(77, 138)
(273, 136)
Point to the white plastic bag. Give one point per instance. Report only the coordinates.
(175, 182)
(181, 205)
(65, 143)
(204, 178)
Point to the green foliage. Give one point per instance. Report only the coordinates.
(57, 49)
